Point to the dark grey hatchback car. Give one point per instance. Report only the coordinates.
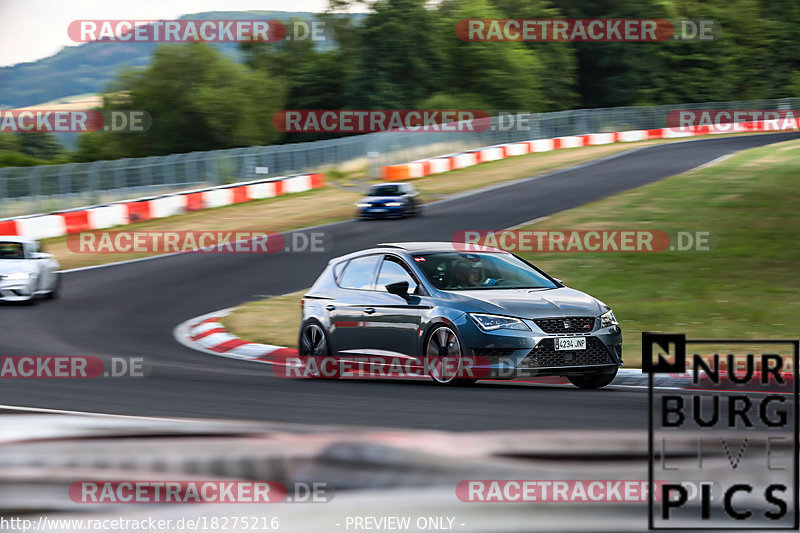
(443, 302)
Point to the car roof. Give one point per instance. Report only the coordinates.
(416, 248)
(442, 246)
(14, 238)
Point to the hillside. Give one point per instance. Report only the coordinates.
(88, 68)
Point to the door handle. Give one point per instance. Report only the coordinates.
(369, 310)
(330, 307)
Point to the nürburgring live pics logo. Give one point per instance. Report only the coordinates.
(724, 448)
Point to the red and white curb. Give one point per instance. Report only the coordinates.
(207, 334)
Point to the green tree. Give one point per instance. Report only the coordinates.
(506, 75)
(99, 145)
(314, 79)
(198, 100)
(39, 144)
(398, 61)
(559, 79)
(9, 142)
(616, 73)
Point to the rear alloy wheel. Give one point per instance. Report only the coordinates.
(593, 381)
(313, 340)
(443, 352)
(314, 343)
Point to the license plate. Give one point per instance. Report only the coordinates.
(374, 210)
(570, 343)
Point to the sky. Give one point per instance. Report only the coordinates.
(33, 29)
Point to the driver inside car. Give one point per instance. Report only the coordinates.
(468, 275)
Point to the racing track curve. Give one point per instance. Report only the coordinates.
(131, 309)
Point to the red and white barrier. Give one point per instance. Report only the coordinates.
(445, 163)
(542, 145)
(121, 213)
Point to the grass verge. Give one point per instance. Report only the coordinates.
(745, 287)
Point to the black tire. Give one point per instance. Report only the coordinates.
(312, 341)
(441, 338)
(596, 380)
(54, 293)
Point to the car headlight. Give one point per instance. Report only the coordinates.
(493, 322)
(608, 319)
(17, 275)
(361, 204)
(395, 204)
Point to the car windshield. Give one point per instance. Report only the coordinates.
(11, 250)
(451, 271)
(385, 190)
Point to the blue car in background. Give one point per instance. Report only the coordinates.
(389, 200)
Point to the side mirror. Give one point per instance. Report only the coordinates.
(399, 288)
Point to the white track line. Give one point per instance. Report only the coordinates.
(528, 223)
(90, 413)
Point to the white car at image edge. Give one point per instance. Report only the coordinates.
(26, 272)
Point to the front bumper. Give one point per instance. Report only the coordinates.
(16, 291)
(381, 212)
(508, 354)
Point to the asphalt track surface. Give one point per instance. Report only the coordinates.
(131, 310)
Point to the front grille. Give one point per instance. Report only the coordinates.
(573, 324)
(546, 356)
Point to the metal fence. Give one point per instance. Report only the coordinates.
(28, 190)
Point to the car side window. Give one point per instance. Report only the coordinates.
(358, 272)
(337, 271)
(393, 271)
(12, 250)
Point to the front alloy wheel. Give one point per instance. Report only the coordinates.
(443, 352)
